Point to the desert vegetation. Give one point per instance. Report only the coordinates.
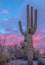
(3, 55)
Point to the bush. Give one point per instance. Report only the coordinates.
(3, 57)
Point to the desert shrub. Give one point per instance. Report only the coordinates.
(36, 55)
(4, 56)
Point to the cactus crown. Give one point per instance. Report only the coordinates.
(31, 21)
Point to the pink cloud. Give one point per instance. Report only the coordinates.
(4, 11)
(34, 45)
(10, 43)
(38, 41)
(11, 36)
(36, 38)
(20, 38)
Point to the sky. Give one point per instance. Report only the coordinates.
(11, 11)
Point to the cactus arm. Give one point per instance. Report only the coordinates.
(28, 19)
(31, 17)
(35, 22)
(20, 26)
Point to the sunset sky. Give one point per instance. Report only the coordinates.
(11, 11)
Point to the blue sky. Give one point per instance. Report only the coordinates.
(16, 9)
(12, 6)
(9, 10)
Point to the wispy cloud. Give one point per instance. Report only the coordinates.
(4, 11)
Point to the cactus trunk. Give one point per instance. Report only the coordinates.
(30, 48)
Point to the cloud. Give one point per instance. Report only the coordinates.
(11, 39)
(9, 25)
(4, 11)
(11, 30)
(39, 40)
(10, 36)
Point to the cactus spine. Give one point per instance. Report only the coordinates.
(31, 29)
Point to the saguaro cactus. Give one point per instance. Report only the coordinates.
(31, 29)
